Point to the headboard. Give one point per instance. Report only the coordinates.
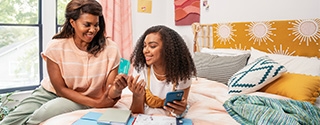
(288, 37)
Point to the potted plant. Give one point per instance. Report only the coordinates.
(4, 108)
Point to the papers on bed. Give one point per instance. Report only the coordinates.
(143, 119)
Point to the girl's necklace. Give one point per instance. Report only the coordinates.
(159, 74)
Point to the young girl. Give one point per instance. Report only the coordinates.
(162, 64)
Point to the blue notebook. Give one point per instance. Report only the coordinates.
(91, 118)
(85, 122)
(88, 119)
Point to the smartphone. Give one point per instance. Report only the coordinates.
(173, 96)
(124, 66)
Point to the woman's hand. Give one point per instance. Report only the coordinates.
(177, 107)
(105, 100)
(137, 88)
(120, 82)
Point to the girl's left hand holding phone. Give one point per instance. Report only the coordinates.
(177, 107)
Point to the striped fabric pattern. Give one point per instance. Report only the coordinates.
(81, 71)
(258, 110)
(218, 68)
(255, 75)
(117, 15)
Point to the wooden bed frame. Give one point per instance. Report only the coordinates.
(202, 36)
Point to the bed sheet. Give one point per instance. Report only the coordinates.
(206, 100)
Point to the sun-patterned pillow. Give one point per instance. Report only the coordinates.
(255, 75)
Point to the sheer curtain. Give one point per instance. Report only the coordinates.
(117, 15)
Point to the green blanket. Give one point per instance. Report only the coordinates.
(258, 110)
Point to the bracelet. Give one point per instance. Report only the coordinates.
(115, 99)
(183, 113)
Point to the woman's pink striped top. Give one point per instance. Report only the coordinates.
(80, 70)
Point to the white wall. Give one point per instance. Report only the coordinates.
(259, 10)
(224, 11)
(162, 13)
(49, 25)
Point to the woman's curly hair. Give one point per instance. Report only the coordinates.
(73, 11)
(179, 64)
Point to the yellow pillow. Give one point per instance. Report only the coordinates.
(296, 86)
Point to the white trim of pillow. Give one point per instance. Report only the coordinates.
(224, 52)
(293, 64)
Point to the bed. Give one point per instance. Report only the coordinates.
(230, 89)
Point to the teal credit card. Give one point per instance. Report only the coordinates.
(124, 66)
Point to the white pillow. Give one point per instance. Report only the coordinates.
(293, 64)
(224, 52)
(255, 75)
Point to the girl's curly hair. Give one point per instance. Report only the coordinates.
(179, 64)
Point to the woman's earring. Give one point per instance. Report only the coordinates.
(72, 30)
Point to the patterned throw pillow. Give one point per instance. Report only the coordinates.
(255, 75)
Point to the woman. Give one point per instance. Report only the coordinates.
(82, 67)
(162, 63)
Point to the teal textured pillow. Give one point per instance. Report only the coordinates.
(255, 75)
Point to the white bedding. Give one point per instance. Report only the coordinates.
(206, 100)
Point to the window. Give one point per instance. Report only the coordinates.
(61, 5)
(20, 45)
(24, 31)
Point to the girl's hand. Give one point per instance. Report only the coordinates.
(177, 107)
(137, 88)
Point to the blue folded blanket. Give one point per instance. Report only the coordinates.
(258, 110)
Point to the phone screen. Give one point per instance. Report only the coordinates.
(124, 66)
